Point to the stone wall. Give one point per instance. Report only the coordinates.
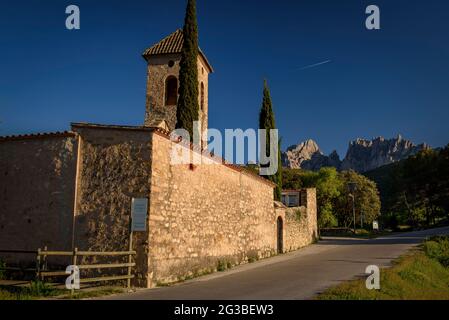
(301, 222)
(203, 214)
(115, 166)
(37, 191)
(200, 215)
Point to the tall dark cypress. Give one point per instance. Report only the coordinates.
(267, 121)
(188, 106)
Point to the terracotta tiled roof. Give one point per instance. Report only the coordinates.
(171, 44)
(76, 125)
(37, 136)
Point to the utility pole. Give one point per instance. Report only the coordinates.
(361, 219)
(352, 187)
(353, 208)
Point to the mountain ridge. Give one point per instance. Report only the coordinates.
(362, 154)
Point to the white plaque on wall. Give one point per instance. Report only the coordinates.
(139, 209)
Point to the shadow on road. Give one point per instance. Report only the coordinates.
(415, 237)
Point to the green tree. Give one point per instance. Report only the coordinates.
(292, 178)
(415, 190)
(442, 178)
(421, 183)
(333, 202)
(328, 187)
(326, 218)
(278, 190)
(267, 121)
(367, 201)
(188, 106)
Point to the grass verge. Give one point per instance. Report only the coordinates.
(422, 274)
(36, 290)
(40, 290)
(92, 293)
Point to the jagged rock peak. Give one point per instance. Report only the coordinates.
(362, 155)
(309, 146)
(307, 155)
(334, 155)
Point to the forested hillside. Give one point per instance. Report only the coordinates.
(415, 191)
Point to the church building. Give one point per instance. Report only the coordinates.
(74, 189)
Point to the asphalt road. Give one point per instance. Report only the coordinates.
(297, 275)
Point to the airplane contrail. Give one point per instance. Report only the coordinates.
(315, 64)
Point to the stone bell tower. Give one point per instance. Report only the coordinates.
(163, 82)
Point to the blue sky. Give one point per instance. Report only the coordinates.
(395, 80)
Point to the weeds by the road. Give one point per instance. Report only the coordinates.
(438, 248)
(92, 293)
(36, 290)
(422, 274)
(40, 290)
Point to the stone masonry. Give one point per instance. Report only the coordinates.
(114, 167)
(199, 215)
(163, 60)
(37, 191)
(301, 222)
(74, 190)
(203, 214)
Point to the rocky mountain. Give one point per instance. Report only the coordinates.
(362, 155)
(307, 155)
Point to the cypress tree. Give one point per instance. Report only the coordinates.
(188, 106)
(278, 191)
(267, 121)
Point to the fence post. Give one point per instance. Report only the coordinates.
(44, 262)
(38, 264)
(75, 251)
(128, 281)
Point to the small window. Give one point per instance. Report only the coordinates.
(171, 91)
(293, 201)
(171, 63)
(284, 199)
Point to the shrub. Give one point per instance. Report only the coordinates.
(390, 220)
(363, 232)
(432, 249)
(252, 256)
(438, 248)
(221, 265)
(252, 259)
(39, 288)
(298, 214)
(444, 261)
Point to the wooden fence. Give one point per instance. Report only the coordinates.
(42, 271)
(20, 269)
